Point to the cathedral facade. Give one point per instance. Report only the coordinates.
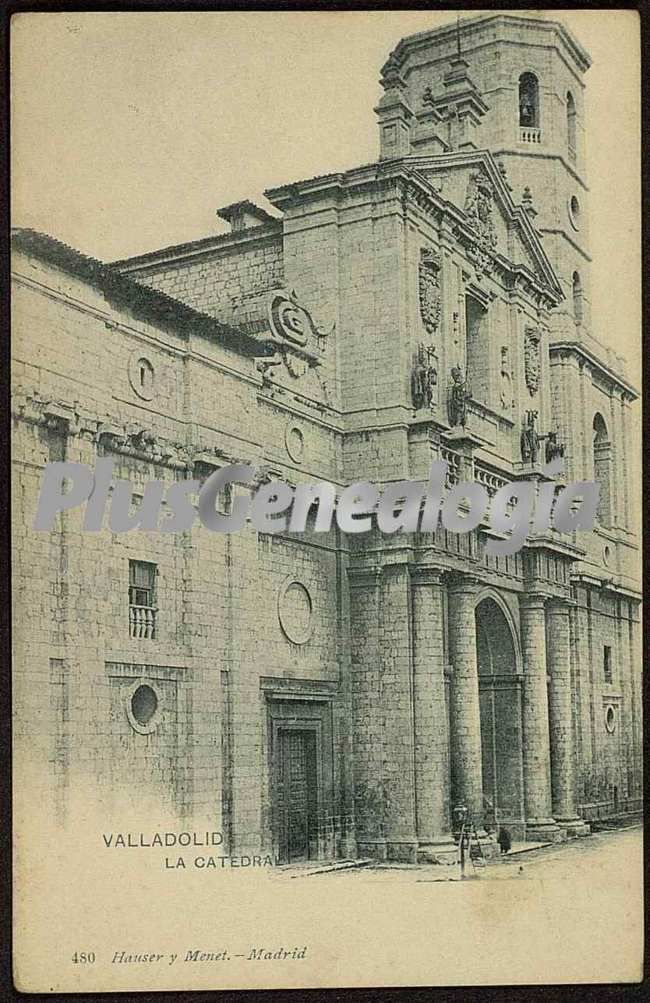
(321, 695)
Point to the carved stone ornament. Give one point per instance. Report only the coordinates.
(479, 204)
(459, 393)
(299, 341)
(530, 438)
(507, 398)
(430, 301)
(424, 377)
(532, 358)
(290, 322)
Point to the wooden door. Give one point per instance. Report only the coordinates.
(296, 795)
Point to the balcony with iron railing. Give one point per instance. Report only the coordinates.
(530, 134)
(142, 622)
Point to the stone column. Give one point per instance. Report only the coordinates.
(465, 715)
(431, 738)
(540, 823)
(396, 699)
(558, 655)
(367, 715)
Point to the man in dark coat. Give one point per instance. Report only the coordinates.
(504, 840)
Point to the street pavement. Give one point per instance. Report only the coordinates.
(605, 854)
(564, 913)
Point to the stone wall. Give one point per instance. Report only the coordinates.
(220, 626)
(228, 281)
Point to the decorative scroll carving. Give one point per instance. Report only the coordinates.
(430, 301)
(290, 322)
(298, 340)
(479, 203)
(532, 358)
(424, 376)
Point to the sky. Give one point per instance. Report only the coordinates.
(129, 130)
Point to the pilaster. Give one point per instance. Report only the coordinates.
(540, 823)
(465, 717)
(365, 588)
(431, 738)
(560, 720)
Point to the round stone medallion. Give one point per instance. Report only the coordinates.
(295, 611)
(142, 376)
(573, 206)
(294, 440)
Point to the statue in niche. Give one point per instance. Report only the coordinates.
(459, 394)
(553, 449)
(507, 399)
(424, 377)
(530, 439)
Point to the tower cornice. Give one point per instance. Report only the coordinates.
(448, 33)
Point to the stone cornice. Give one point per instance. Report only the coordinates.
(515, 214)
(427, 575)
(129, 438)
(448, 33)
(459, 583)
(402, 178)
(582, 352)
(518, 151)
(558, 547)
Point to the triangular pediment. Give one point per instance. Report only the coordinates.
(488, 218)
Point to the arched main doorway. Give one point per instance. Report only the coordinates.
(500, 702)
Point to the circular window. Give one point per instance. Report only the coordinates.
(574, 212)
(142, 376)
(295, 443)
(610, 719)
(142, 707)
(295, 612)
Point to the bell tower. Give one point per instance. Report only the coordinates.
(512, 84)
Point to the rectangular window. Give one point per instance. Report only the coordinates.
(607, 663)
(142, 604)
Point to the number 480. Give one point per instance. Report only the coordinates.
(83, 958)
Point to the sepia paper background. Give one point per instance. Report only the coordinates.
(128, 130)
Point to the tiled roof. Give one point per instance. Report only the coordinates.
(143, 301)
(272, 226)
